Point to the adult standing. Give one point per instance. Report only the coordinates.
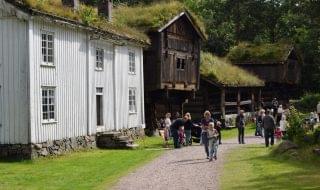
(240, 124)
(269, 126)
(275, 104)
(259, 123)
(279, 114)
(167, 123)
(187, 128)
(217, 126)
(204, 132)
(174, 128)
(318, 110)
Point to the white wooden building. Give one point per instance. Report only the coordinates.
(60, 79)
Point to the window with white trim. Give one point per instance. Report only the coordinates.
(48, 104)
(99, 58)
(47, 48)
(132, 62)
(132, 100)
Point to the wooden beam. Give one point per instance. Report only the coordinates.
(252, 101)
(259, 99)
(223, 100)
(238, 101)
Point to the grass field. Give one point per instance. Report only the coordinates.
(254, 167)
(233, 133)
(95, 169)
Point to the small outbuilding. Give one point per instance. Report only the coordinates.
(279, 65)
(224, 89)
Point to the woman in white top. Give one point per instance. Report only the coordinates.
(283, 124)
(279, 114)
(167, 123)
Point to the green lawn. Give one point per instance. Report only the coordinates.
(95, 169)
(254, 167)
(233, 133)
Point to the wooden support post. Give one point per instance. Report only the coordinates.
(259, 100)
(238, 101)
(252, 101)
(223, 100)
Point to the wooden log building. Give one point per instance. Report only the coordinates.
(224, 89)
(279, 65)
(171, 63)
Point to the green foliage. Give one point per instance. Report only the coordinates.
(308, 102)
(295, 130)
(222, 71)
(259, 53)
(88, 15)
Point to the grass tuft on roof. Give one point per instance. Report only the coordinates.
(153, 16)
(220, 70)
(86, 15)
(259, 53)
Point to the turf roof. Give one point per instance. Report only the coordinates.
(260, 54)
(154, 16)
(221, 71)
(86, 15)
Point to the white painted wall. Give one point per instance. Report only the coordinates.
(68, 76)
(13, 80)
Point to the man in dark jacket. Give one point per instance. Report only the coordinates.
(240, 124)
(268, 123)
(174, 128)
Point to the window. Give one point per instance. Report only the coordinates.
(99, 106)
(132, 63)
(99, 59)
(47, 45)
(181, 63)
(48, 104)
(132, 100)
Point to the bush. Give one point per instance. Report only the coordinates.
(295, 130)
(308, 102)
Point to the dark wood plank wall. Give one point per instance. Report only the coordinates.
(180, 41)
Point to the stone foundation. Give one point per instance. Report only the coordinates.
(48, 148)
(58, 147)
(133, 133)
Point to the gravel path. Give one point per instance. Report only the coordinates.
(185, 168)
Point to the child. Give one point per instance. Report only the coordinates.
(213, 141)
(166, 133)
(181, 136)
(278, 134)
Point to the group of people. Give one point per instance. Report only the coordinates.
(180, 130)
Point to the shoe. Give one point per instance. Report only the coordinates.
(208, 157)
(243, 143)
(210, 160)
(215, 157)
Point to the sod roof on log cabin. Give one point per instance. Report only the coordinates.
(221, 71)
(246, 53)
(85, 16)
(152, 17)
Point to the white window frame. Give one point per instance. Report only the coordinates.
(99, 61)
(132, 62)
(46, 48)
(132, 95)
(49, 97)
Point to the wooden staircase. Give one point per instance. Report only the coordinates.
(114, 140)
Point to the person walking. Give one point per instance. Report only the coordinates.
(167, 123)
(268, 123)
(174, 128)
(279, 114)
(275, 104)
(213, 141)
(187, 128)
(218, 127)
(259, 130)
(240, 124)
(204, 133)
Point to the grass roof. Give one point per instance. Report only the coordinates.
(86, 15)
(263, 53)
(154, 16)
(220, 70)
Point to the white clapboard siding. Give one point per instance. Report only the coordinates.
(14, 81)
(68, 76)
(102, 79)
(136, 81)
